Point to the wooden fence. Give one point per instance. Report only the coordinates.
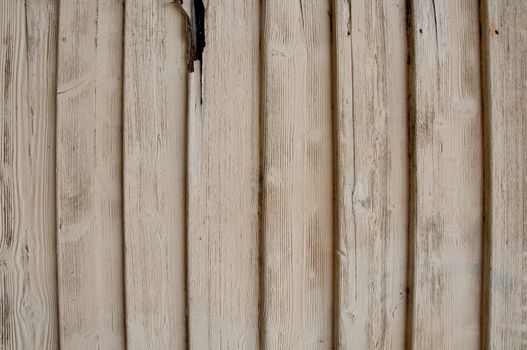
(342, 174)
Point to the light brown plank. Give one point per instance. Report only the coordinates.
(298, 176)
(447, 175)
(89, 174)
(28, 306)
(505, 81)
(154, 149)
(372, 187)
(223, 181)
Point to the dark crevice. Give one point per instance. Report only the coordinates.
(195, 31)
(125, 257)
(486, 142)
(261, 181)
(198, 21)
(335, 124)
(435, 21)
(336, 166)
(302, 13)
(410, 78)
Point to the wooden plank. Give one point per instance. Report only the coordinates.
(28, 304)
(89, 174)
(505, 81)
(372, 184)
(223, 181)
(154, 175)
(446, 209)
(298, 175)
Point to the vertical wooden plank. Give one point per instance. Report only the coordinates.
(154, 175)
(505, 81)
(298, 175)
(28, 308)
(372, 184)
(223, 181)
(447, 175)
(89, 188)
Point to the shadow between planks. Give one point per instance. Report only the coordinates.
(334, 174)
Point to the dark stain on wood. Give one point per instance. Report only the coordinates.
(5, 312)
(7, 224)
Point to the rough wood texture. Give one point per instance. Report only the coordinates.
(154, 175)
(298, 175)
(223, 182)
(28, 309)
(505, 72)
(89, 187)
(370, 97)
(312, 187)
(447, 175)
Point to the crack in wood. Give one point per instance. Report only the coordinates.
(194, 31)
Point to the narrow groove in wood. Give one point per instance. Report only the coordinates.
(188, 86)
(55, 182)
(410, 290)
(336, 176)
(487, 180)
(186, 205)
(261, 180)
(122, 151)
(192, 94)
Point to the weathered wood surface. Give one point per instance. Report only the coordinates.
(28, 304)
(298, 176)
(505, 81)
(371, 138)
(89, 175)
(317, 182)
(446, 213)
(223, 225)
(154, 175)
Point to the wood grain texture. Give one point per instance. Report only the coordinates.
(223, 181)
(89, 174)
(28, 306)
(154, 175)
(298, 175)
(372, 185)
(505, 81)
(446, 220)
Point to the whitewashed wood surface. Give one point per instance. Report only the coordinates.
(333, 174)
(372, 190)
(504, 29)
(89, 174)
(28, 283)
(154, 108)
(223, 225)
(446, 185)
(297, 228)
